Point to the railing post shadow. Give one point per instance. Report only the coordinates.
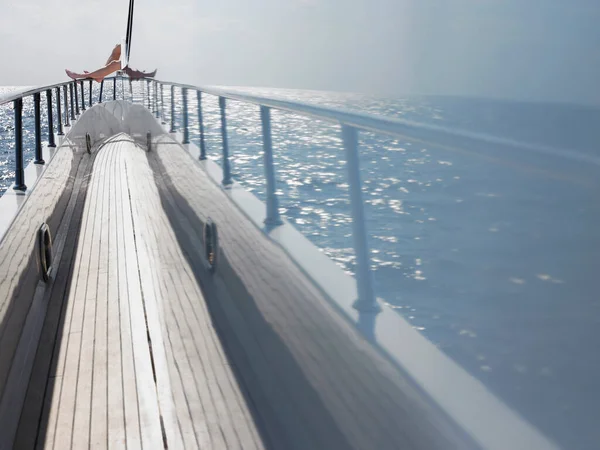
(66, 104)
(226, 167)
(172, 109)
(366, 304)
(59, 113)
(19, 172)
(51, 142)
(38, 129)
(186, 130)
(273, 219)
(201, 126)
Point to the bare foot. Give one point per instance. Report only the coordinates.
(72, 75)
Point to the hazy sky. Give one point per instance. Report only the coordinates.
(522, 49)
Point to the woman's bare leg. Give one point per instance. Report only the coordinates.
(99, 74)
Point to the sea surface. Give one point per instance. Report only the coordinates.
(491, 252)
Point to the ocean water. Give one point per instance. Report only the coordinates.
(490, 252)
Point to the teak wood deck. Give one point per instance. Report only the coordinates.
(135, 345)
(142, 347)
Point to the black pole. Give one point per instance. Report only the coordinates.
(186, 130)
(201, 122)
(67, 124)
(72, 101)
(172, 109)
(162, 105)
(226, 166)
(19, 172)
(129, 32)
(59, 113)
(156, 114)
(74, 84)
(90, 102)
(51, 142)
(115, 88)
(82, 96)
(101, 89)
(38, 129)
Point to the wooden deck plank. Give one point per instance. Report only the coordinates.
(83, 402)
(128, 379)
(150, 427)
(117, 437)
(153, 310)
(63, 405)
(153, 233)
(99, 412)
(169, 268)
(33, 413)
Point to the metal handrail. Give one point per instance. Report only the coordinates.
(351, 124)
(63, 112)
(366, 303)
(28, 92)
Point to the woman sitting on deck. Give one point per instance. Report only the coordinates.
(112, 65)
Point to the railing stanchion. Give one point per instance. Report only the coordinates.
(59, 113)
(72, 101)
(90, 95)
(51, 142)
(115, 88)
(226, 167)
(201, 125)
(156, 112)
(366, 304)
(172, 109)
(152, 92)
(37, 114)
(153, 84)
(162, 104)
(82, 96)
(186, 129)
(19, 172)
(101, 89)
(66, 100)
(148, 93)
(74, 87)
(273, 219)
